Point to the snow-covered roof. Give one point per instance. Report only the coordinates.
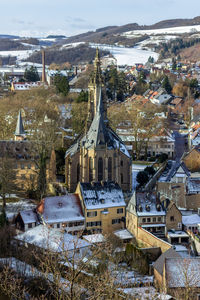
(176, 268)
(43, 237)
(176, 234)
(28, 216)
(102, 195)
(61, 209)
(193, 219)
(193, 185)
(94, 238)
(146, 206)
(123, 234)
(52, 239)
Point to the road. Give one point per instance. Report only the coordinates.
(180, 144)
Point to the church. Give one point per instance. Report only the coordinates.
(98, 155)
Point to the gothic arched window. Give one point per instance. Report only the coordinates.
(78, 172)
(90, 169)
(100, 169)
(110, 169)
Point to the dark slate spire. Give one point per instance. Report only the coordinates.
(20, 127)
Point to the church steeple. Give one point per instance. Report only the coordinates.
(95, 90)
(20, 132)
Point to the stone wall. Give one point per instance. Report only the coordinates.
(151, 240)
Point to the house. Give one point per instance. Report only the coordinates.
(158, 265)
(103, 206)
(162, 143)
(26, 219)
(144, 212)
(181, 277)
(173, 215)
(24, 86)
(191, 222)
(62, 212)
(172, 183)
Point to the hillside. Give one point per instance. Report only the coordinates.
(191, 53)
(73, 55)
(113, 34)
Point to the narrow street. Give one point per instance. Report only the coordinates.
(180, 144)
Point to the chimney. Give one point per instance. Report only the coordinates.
(43, 67)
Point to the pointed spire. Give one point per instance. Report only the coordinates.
(20, 127)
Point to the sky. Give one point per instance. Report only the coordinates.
(40, 18)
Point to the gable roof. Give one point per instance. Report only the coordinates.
(159, 263)
(61, 209)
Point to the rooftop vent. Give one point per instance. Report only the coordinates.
(60, 204)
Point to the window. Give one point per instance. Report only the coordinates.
(29, 166)
(32, 177)
(100, 169)
(91, 214)
(22, 166)
(90, 169)
(122, 163)
(92, 224)
(120, 210)
(154, 219)
(116, 221)
(23, 176)
(148, 220)
(172, 218)
(143, 220)
(30, 225)
(58, 225)
(159, 219)
(110, 169)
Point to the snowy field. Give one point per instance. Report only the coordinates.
(135, 170)
(20, 54)
(172, 30)
(128, 56)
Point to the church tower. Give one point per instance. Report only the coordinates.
(94, 88)
(20, 133)
(99, 154)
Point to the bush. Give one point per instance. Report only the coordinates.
(162, 157)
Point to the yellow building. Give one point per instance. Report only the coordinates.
(103, 206)
(99, 154)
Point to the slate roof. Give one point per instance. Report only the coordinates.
(99, 135)
(159, 263)
(20, 127)
(171, 169)
(102, 195)
(28, 216)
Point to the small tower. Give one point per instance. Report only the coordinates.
(20, 133)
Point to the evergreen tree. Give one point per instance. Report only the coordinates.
(166, 85)
(31, 74)
(62, 84)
